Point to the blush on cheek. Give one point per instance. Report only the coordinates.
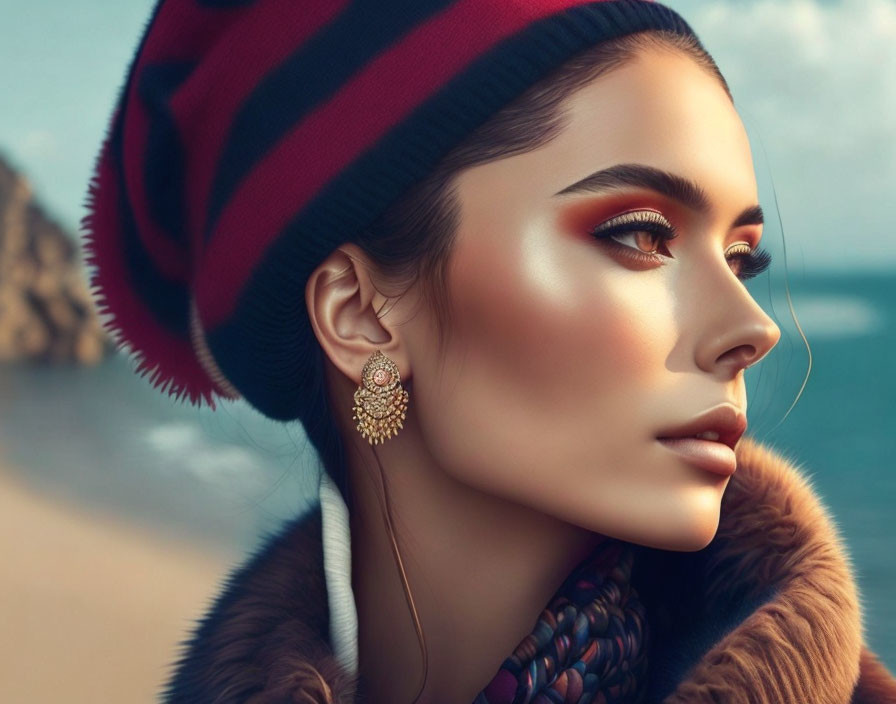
(607, 359)
(539, 311)
(535, 342)
(633, 332)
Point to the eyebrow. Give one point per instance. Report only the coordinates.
(669, 184)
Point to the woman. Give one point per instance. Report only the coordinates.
(491, 255)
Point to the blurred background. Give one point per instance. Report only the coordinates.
(122, 510)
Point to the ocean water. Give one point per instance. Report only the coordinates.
(105, 437)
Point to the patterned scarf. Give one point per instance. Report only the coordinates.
(589, 645)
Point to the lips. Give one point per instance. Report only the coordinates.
(728, 421)
(704, 454)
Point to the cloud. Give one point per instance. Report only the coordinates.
(38, 144)
(817, 82)
(837, 316)
(184, 448)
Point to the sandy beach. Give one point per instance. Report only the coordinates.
(91, 608)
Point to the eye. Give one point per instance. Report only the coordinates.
(648, 228)
(749, 262)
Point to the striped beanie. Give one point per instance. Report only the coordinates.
(252, 137)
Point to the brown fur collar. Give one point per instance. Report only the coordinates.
(768, 613)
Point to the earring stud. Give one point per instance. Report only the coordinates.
(380, 400)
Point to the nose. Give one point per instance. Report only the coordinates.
(737, 333)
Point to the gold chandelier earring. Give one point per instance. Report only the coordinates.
(380, 401)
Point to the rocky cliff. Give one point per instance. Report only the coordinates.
(46, 311)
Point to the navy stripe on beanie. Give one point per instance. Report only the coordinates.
(265, 179)
(306, 79)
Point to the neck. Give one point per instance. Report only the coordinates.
(480, 569)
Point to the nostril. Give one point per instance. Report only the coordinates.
(741, 356)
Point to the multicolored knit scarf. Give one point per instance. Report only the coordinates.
(589, 645)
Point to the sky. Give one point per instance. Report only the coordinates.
(814, 82)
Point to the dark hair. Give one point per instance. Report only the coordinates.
(413, 238)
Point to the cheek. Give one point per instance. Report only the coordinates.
(552, 315)
(551, 342)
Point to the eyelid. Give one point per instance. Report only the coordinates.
(633, 216)
(747, 245)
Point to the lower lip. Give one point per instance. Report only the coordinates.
(705, 454)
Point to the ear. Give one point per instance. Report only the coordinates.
(343, 303)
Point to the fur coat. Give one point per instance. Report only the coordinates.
(768, 613)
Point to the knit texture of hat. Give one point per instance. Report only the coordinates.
(252, 137)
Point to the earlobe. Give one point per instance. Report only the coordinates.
(343, 304)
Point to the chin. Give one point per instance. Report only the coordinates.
(688, 526)
(694, 534)
(675, 542)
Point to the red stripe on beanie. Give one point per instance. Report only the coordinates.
(205, 108)
(184, 30)
(322, 145)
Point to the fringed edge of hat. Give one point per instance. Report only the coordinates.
(171, 360)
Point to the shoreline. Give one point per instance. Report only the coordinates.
(93, 607)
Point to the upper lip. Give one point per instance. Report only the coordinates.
(728, 421)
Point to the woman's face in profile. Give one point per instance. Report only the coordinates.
(569, 354)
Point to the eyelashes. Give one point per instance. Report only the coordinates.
(751, 262)
(747, 263)
(647, 222)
